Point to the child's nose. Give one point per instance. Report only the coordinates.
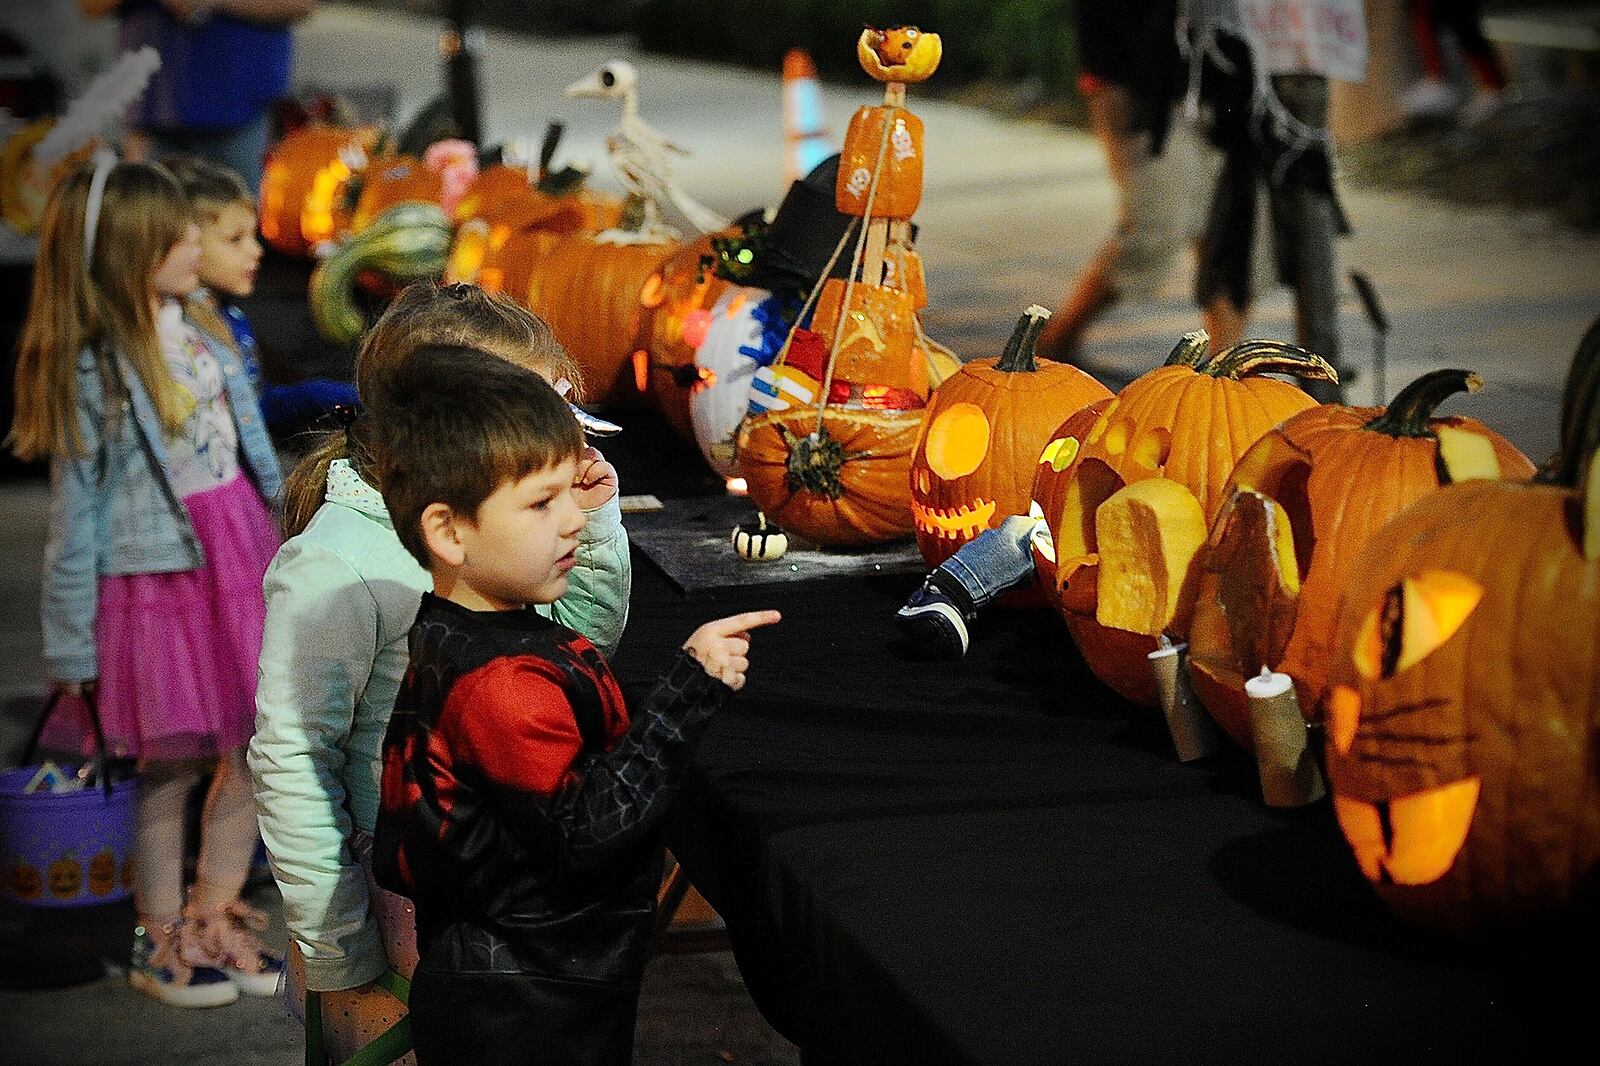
(577, 519)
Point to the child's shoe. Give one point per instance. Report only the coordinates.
(932, 619)
(168, 964)
(228, 934)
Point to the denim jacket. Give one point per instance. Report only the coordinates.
(113, 512)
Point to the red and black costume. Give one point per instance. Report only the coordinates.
(521, 812)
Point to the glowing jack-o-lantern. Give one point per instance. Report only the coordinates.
(1141, 488)
(1463, 710)
(743, 332)
(305, 182)
(682, 291)
(985, 428)
(1300, 505)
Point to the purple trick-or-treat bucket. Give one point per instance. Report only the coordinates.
(65, 849)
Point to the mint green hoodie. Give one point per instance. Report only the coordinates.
(341, 597)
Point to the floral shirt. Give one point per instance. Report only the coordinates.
(204, 453)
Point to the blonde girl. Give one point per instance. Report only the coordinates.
(342, 594)
(160, 532)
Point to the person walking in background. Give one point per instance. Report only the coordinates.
(223, 63)
(1432, 95)
(1131, 78)
(1261, 70)
(161, 484)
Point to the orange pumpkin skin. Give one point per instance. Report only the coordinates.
(1185, 423)
(588, 292)
(1339, 473)
(879, 341)
(504, 195)
(303, 187)
(103, 873)
(899, 181)
(394, 180)
(65, 877)
(865, 499)
(985, 428)
(1511, 699)
(683, 286)
(25, 882)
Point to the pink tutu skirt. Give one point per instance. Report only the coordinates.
(179, 652)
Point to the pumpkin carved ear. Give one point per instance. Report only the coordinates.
(1416, 617)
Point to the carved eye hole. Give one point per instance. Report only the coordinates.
(958, 440)
(1414, 618)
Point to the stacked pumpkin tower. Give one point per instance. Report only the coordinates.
(833, 462)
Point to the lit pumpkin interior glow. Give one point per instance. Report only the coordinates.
(1415, 617)
(1147, 534)
(957, 441)
(1423, 835)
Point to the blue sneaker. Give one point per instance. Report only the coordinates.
(932, 619)
(159, 970)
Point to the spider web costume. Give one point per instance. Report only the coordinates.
(521, 812)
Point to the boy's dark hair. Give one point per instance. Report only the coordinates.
(456, 424)
(209, 186)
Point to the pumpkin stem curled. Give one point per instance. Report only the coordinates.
(1279, 357)
(1408, 413)
(1018, 356)
(1580, 415)
(1191, 349)
(816, 462)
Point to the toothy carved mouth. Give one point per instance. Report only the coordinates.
(953, 523)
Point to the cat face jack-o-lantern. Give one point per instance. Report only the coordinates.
(1300, 505)
(1136, 498)
(1463, 711)
(985, 428)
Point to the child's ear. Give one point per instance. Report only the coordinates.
(440, 534)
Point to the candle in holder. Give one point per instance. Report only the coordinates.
(1193, 734)
(1288, 768)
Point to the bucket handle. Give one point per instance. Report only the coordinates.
(99, 733)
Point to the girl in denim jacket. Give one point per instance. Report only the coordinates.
(160, 532)
(341, 597)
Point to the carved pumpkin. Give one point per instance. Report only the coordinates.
(24, 881)
(985, 428)
(589, 291)
(1052, 484)
(1146, 478)
(903, 54)
(878, 343)
(1463, 711)
(677, 302)
(65, 877)
(847, 485)
(1301, 504)
(305, 182)
(103, 873)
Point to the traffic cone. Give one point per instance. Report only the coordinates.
(804, 124)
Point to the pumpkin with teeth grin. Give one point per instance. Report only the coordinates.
(1463, 712)
(986, 425)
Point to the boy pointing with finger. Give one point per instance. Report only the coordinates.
(521, 800)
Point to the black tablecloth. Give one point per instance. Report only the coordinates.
(999, 861)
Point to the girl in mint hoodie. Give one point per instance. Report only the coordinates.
(341, 595)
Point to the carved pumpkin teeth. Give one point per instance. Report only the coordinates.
(1415, 839)
(953, 523)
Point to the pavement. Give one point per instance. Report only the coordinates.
(1011, 210)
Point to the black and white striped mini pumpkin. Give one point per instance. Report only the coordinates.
(763, 543)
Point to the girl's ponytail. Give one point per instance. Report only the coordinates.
(306, 485)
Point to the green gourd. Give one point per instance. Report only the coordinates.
(408, 242)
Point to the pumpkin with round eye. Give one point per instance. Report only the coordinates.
(1140, 490)
(985, 428)
(1463, 709)
(1299, 507)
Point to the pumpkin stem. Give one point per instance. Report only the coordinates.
(1580, 415)
(1408, 413)
(1018, 356)
(1191, 349)
(1278, 357)
(816, 462)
